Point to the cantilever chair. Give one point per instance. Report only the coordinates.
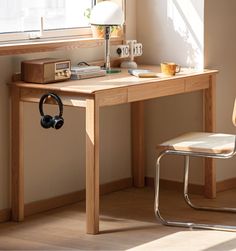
(197, 144)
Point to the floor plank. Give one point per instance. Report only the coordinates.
(127, 223)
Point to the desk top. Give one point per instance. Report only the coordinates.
(111, 81)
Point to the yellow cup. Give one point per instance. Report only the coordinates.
(170, 69)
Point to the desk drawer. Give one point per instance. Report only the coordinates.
(155, 90)
(112, 97)
(197, 83)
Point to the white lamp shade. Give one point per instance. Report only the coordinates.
(107, 13)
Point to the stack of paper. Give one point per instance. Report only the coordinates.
(82, 72)
(143, 73)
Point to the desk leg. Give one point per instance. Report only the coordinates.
(210, 109)
(137, 130)
(17, 172)
(92, 166)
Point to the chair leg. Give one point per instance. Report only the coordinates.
(156, 203)
(157, 186)
(187, 199)
(179, 223)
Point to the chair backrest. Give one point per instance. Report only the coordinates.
(234, 113)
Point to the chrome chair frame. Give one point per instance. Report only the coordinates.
(187, 155)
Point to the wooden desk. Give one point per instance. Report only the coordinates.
(92, 94)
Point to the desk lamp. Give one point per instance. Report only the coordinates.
(107, 14)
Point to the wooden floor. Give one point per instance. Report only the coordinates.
(127, 223)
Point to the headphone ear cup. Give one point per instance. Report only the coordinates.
(47, 121)
(58, 122)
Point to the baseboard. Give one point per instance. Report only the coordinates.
(5, 215)
(225, 185)
(193, 188)
(67, 199)
(116, 186)
(52, 203)
(175, 185)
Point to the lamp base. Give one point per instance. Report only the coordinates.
(129, 65)
(111, 71)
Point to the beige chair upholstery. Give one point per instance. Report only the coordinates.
(201, 142)
(197, 144)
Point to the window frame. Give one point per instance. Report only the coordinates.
(47, 34)
(80, 40)
(52, 34)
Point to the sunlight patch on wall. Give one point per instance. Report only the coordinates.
(187, 22)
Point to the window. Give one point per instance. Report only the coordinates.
(24, 19)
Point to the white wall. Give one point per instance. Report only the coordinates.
(172, 30)
(55, 160)
(220, 53)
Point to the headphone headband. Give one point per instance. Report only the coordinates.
(55, 97)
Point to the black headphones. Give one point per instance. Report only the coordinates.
(48, 121)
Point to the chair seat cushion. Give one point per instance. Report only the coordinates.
(201, 142)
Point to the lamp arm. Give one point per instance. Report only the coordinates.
(107, 47)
